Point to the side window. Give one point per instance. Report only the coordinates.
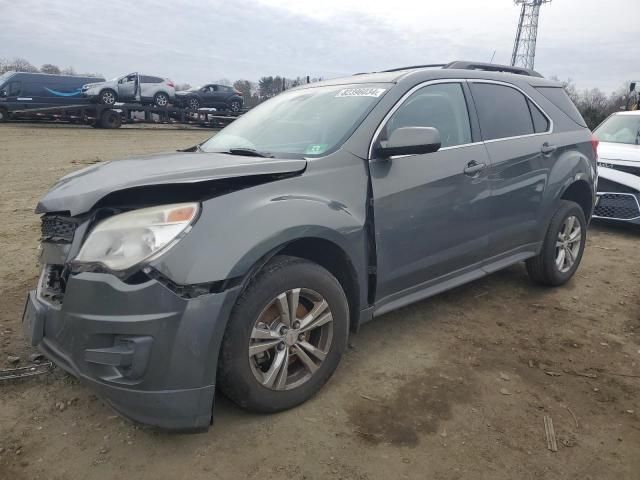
(441, 106)
(540, 122)
(502, 110)
(146, 79)
(14, 89)
(214, 88)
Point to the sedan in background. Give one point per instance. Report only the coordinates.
(619, 168)
(211, 95)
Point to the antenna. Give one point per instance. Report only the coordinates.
(524, 47)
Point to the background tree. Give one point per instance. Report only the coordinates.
(50, 68)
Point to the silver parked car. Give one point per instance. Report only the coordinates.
(134, 87)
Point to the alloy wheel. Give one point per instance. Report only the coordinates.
(194, 104)
(108, 98)
(290, 339)
(568, 244)
(161, 100)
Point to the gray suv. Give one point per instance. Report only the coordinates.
(134, 87)
(244, 263)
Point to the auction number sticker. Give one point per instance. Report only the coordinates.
(360, 92)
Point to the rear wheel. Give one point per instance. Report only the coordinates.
(161, 99)
(285, 337)
(4, 115)
(107, 97)
(193, 103)
(563, 246)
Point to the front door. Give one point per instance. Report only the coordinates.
(128, 88)
(431, 211)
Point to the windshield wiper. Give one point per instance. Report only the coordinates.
(248, 152)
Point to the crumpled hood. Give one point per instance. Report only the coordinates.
(619, 151)
(81, 190)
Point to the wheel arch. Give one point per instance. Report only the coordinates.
(327, 253)
(581, 193)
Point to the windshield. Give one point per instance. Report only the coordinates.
(620, 129)
(5, 76)
(193, 89)
(307, 122)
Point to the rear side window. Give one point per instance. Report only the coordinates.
(148, 79)
(540, 122)
(503, 111)
(560, 99)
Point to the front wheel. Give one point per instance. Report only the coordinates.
(285, 337)
(562, 248)
(194, 103)
(107, 97)
(235, 106)
(4, 115)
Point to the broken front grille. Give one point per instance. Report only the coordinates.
(57, 228)
(621, 206)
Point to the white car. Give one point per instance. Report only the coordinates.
(619, 168)
(134, 87)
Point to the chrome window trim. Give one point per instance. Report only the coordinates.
(460, 81)
(515, 87)
(598, 194)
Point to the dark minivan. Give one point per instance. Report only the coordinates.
(22, 90)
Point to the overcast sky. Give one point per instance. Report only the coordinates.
(594, 42)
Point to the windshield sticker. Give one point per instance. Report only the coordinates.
(360, 92)
(316, 149)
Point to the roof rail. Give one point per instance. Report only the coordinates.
(431, 65)
(489, 67)
(492, 67)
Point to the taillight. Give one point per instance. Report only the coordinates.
(594, 144)
(170, 83)
(237, 92)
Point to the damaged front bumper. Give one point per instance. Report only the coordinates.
(148, 352)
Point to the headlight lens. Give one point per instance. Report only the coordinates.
(126, 239)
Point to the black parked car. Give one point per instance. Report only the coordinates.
(243, 263)
(210, 95)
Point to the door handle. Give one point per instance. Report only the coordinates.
(547, 148)
(473, 168)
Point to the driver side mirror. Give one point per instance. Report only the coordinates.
(410, 141)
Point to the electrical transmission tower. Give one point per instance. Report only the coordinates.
(524, 47)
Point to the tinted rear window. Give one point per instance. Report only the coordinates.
(148, 79)
(560, 99)
(503, 111)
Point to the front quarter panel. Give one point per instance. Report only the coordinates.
(236, 230)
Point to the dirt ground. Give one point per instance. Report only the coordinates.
(453, 387)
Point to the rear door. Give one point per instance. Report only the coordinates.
(207, 95)
(516, 133)
(431, 211)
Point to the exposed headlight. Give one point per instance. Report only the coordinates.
(121, 241)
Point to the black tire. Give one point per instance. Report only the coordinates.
(235, 106)
(193, 103)
(107, 97)
(235, 376)
(110, 119)
(542, 268)
(4, 115)
(161, 99)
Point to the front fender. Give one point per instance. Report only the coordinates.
(236, 230)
